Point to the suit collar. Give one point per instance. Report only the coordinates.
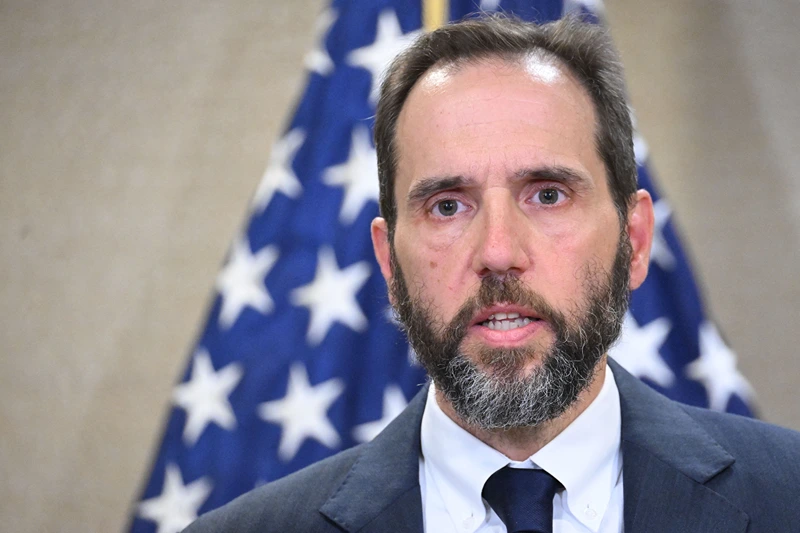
(384, 480)
(667, 458)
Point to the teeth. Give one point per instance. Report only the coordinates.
(505, 325)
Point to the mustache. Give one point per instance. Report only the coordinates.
(504, 290)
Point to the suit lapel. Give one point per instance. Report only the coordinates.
(667, 458)
(381, 492)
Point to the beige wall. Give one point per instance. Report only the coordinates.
(133, 134)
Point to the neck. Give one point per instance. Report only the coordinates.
(519, 444)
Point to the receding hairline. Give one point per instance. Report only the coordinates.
(500, 59)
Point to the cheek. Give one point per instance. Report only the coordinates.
(439, 238)
(432, 272)
(432, 250)
(560, 241)
(567, 248)
(421, 263)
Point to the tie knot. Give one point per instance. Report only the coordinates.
(522, 498)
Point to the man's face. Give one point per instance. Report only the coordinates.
(507, 238)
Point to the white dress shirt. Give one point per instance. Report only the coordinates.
(585, 458)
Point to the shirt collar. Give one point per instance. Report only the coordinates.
(586, 457)
(588, 468)
(457, 462)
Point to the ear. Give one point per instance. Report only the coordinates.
(640, 231)
(380, 243)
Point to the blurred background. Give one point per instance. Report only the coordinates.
(133, 135)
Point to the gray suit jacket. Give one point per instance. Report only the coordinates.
(684, 470)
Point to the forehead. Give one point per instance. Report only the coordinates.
(495, 114)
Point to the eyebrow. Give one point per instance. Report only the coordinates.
(554, 173)
(427, 187)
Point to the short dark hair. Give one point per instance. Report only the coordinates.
(585, 48)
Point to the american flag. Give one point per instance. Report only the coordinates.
(299, 357)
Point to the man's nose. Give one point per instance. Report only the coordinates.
(503, 238)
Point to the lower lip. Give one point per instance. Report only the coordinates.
(497, 337)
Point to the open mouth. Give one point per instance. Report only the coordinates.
(507, 321)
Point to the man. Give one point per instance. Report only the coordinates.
(512, 233)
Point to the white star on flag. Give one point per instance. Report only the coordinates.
(241, 281)
(637, 350)
(716, 369)
(318, 60)
(302, 413)
(489, 5)
(394, 401)
(660, 252)
(178, 504)
(331, 296)
(205, 396)
(389, 41)
(358, 175)
(279, 175)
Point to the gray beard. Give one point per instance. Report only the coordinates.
(497, 395)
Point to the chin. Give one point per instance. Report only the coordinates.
(517, 363)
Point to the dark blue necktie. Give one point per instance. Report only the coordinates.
(522, 498)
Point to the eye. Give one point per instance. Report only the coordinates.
(549, 196)
(447, 207)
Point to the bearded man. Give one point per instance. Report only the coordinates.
(512, 232)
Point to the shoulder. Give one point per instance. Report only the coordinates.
(288, 504)
(752, 464)
(769, 446)
(673, 430)
(744, 434)
(764, 478)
